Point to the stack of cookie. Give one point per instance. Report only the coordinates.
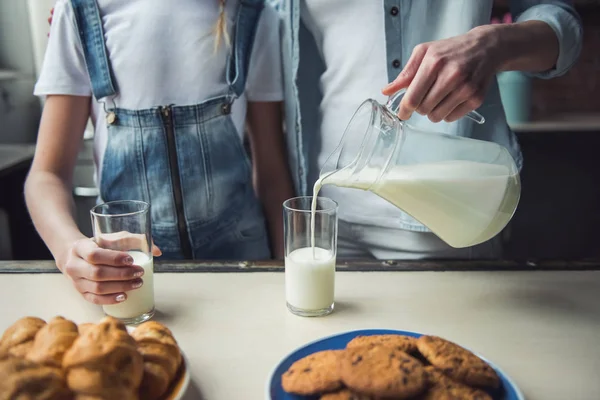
(393, 367)
(60, 360)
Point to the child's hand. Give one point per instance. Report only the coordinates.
(103, 275)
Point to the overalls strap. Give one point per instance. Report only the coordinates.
(91, 33)
(247, 19)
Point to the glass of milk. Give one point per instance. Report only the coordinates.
(310, 231)
(126, 226)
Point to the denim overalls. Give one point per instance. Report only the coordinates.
(187, 161)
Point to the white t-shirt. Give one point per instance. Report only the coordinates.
(162, 53)
(351, 39)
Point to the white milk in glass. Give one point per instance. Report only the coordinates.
(139, 301)
(310, 278)
(463, 202)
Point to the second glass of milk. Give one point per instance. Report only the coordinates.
(310, 254)
(126, 226)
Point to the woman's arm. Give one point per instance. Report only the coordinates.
(271, 175)
(559, 20)
(447, 78)
(101, 276)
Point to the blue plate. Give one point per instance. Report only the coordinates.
(507, 391)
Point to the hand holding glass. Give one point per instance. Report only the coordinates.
(126, 226)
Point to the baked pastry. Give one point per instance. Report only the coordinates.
(403, 343)
(442, 387)
(52, 341)
(313, 374)
(345, 394)
(24, 379)
(18, 338)
(457, 362)
(382, 372)
(83, 327)
(162, 358)
(104, 363)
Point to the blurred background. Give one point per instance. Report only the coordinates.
(557, 121)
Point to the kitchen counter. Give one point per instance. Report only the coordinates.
(542, 327)
(572, 123)
(14, 156)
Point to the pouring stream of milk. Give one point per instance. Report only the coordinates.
(313, 211)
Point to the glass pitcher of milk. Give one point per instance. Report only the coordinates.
(464, 190)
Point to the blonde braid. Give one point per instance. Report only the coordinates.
(220, 29)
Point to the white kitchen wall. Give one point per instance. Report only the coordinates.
(19, 109)
(39, 11)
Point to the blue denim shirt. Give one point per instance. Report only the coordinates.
(417, 21)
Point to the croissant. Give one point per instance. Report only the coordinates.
(162, 358)
(83, 327)
(52, 341)
(24, 379)
(104, 363)
(18, 338)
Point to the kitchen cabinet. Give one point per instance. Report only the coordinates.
(558, 214)
(18, 238)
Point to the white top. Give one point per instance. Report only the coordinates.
(541, 328)
(355, 70)
(161, 53)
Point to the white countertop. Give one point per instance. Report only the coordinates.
(541, 328)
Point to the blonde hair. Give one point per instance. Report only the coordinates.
(220, 29)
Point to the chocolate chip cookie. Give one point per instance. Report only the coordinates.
(345, 394)
(457, 362)
(403, 343)
(313, 374)
(381, 371)
(442, 387)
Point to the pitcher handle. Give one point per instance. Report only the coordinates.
(393, 105)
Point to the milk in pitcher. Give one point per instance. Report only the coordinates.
(463, 202)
